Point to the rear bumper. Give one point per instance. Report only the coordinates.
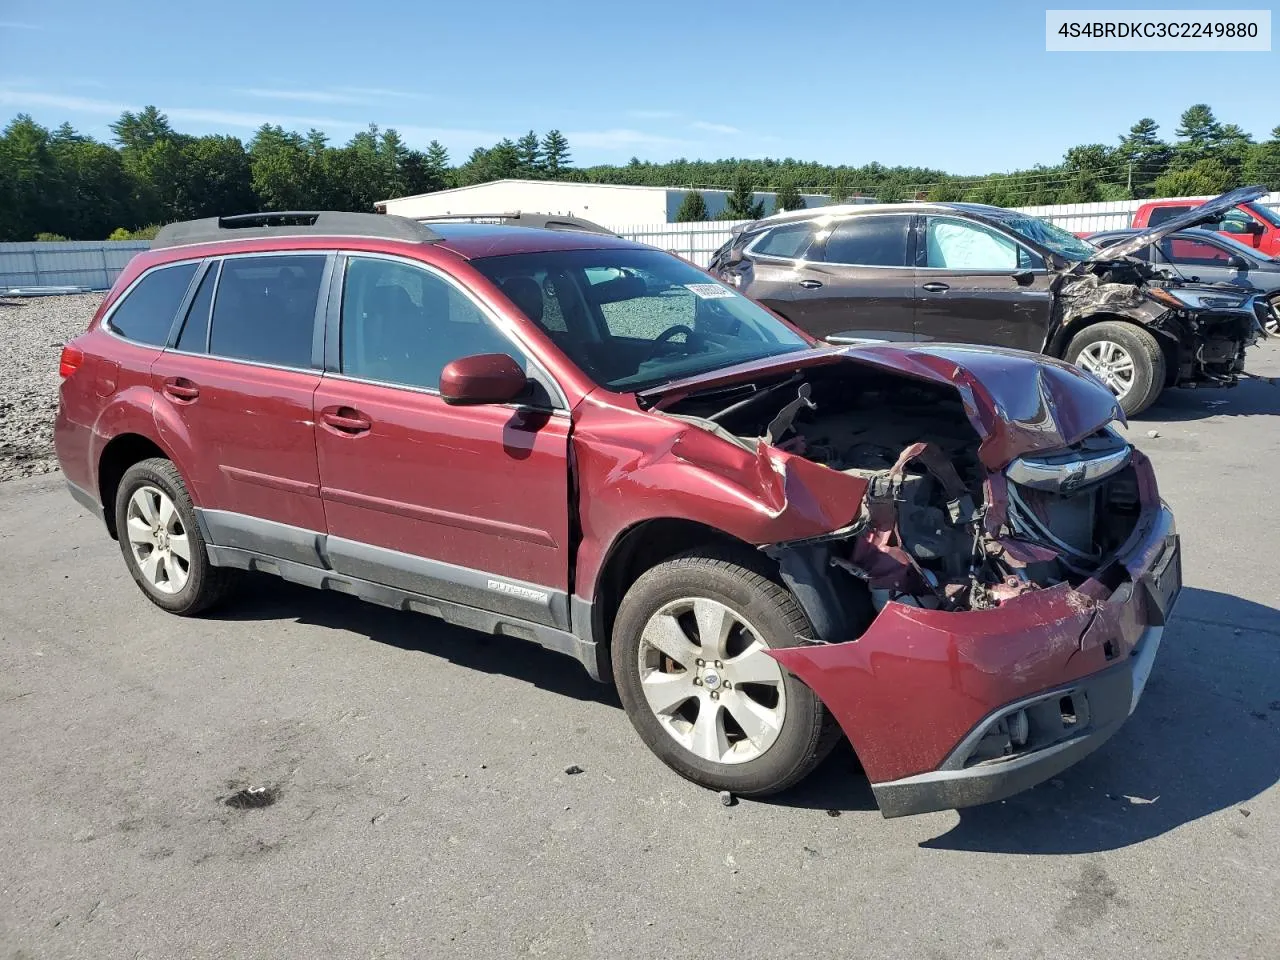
(86, 499)
(921, 689)
(1110, 697)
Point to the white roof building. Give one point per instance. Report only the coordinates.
(610, 205)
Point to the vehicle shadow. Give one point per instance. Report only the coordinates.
(269, 598)
(1204, 739)
(1255, 396)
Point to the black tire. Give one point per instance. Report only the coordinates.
(1142, 346)
(206, 585)
(807, 732)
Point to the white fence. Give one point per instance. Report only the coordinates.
(96, 264)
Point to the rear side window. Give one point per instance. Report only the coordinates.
(195, 331)
(790, 241)
(146, 313)
(1161, 214)
(869, 242)
(265, 307)
(1197, 252)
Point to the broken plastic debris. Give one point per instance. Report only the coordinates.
(572, 768)
(1153, 434)
(726, 798)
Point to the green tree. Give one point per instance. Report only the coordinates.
(284, 167)
(1208, 176)
(1086, 167)
(555, 153)
(221, 178)
(840, 189)
(1198, 134)
(529, 153)
(741, 203)
(1144, 155)
(136, 131)
(1263, 163)
(693, 208)
(788, 197)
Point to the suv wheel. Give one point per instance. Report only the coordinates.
(689, 660)
(161, 541)
(1123, 356)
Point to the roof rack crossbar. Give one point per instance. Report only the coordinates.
(520, 218)
(294, 223)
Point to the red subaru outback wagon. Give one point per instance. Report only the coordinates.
(946, 553)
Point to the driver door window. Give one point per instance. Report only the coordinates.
(961, 245)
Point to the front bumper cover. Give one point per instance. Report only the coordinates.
(920, 687)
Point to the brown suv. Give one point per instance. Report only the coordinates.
(969, 273)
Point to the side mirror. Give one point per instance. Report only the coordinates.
(1023, 278)
(1237, 262)
(483, 378)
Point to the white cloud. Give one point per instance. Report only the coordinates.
(306, 96)
(383, 92)
(18, 25)
(25, 99)
(714, 127)
(618, 139)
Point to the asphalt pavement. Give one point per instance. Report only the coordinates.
(399, 787)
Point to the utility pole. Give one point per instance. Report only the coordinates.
(1130, 177)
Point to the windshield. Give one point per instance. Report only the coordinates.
(634, 319)
(1264, 213)
(1051, 237)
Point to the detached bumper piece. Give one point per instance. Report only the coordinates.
(1048, 732)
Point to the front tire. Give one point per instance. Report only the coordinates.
(1126, 358)
(690, 667)
(161, 541)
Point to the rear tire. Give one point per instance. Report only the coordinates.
(710, 702)
(161, 541)
(1127, 358)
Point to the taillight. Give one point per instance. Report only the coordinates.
(70, 360)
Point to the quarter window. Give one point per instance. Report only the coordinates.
(265, 308)
(402, 324)
(790, 241)
(147, 312)
(1196, 252)
(869, 242)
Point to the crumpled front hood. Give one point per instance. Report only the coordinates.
(1017, 402)
(1204, 213)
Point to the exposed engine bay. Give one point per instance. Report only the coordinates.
(936, 528)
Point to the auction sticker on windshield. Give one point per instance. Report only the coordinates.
(709, 291)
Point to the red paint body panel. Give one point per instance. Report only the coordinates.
(485, 487)
(908, 690)
(1267, 241)
(247, 439)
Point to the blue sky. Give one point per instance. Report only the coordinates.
(965, 87)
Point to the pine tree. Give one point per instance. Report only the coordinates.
(693, 208)
(529, 150)
(555, 153)
(1198, 134)
(840, 187)
(788, 197)
(741, 203)
(1144, 156)
(1263, 164)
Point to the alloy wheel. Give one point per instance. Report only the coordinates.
(158, 539)
(1110, 363)
(709, 681)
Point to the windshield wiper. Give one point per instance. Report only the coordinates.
(759, 394)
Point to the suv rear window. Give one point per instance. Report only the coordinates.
(146, 313)
(869, 242)
(265, 309)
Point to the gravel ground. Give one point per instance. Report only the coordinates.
(35, 328)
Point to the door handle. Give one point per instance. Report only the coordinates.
(811, 284)
(346, 420)
(934, 286)
(180, 388)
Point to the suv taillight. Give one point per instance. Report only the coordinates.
(70, 360)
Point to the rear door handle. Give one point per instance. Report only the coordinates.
(346, 420)
(811, 284)
(180, 388)
(933, 286)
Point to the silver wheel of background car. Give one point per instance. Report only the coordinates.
(707, 678)
(158, 540)
(1110, 363)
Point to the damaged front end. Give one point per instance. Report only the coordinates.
(1001, 556)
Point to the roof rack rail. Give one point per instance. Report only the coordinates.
(520, 218)
(293, 223)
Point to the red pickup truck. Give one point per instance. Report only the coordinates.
(1249, 223)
